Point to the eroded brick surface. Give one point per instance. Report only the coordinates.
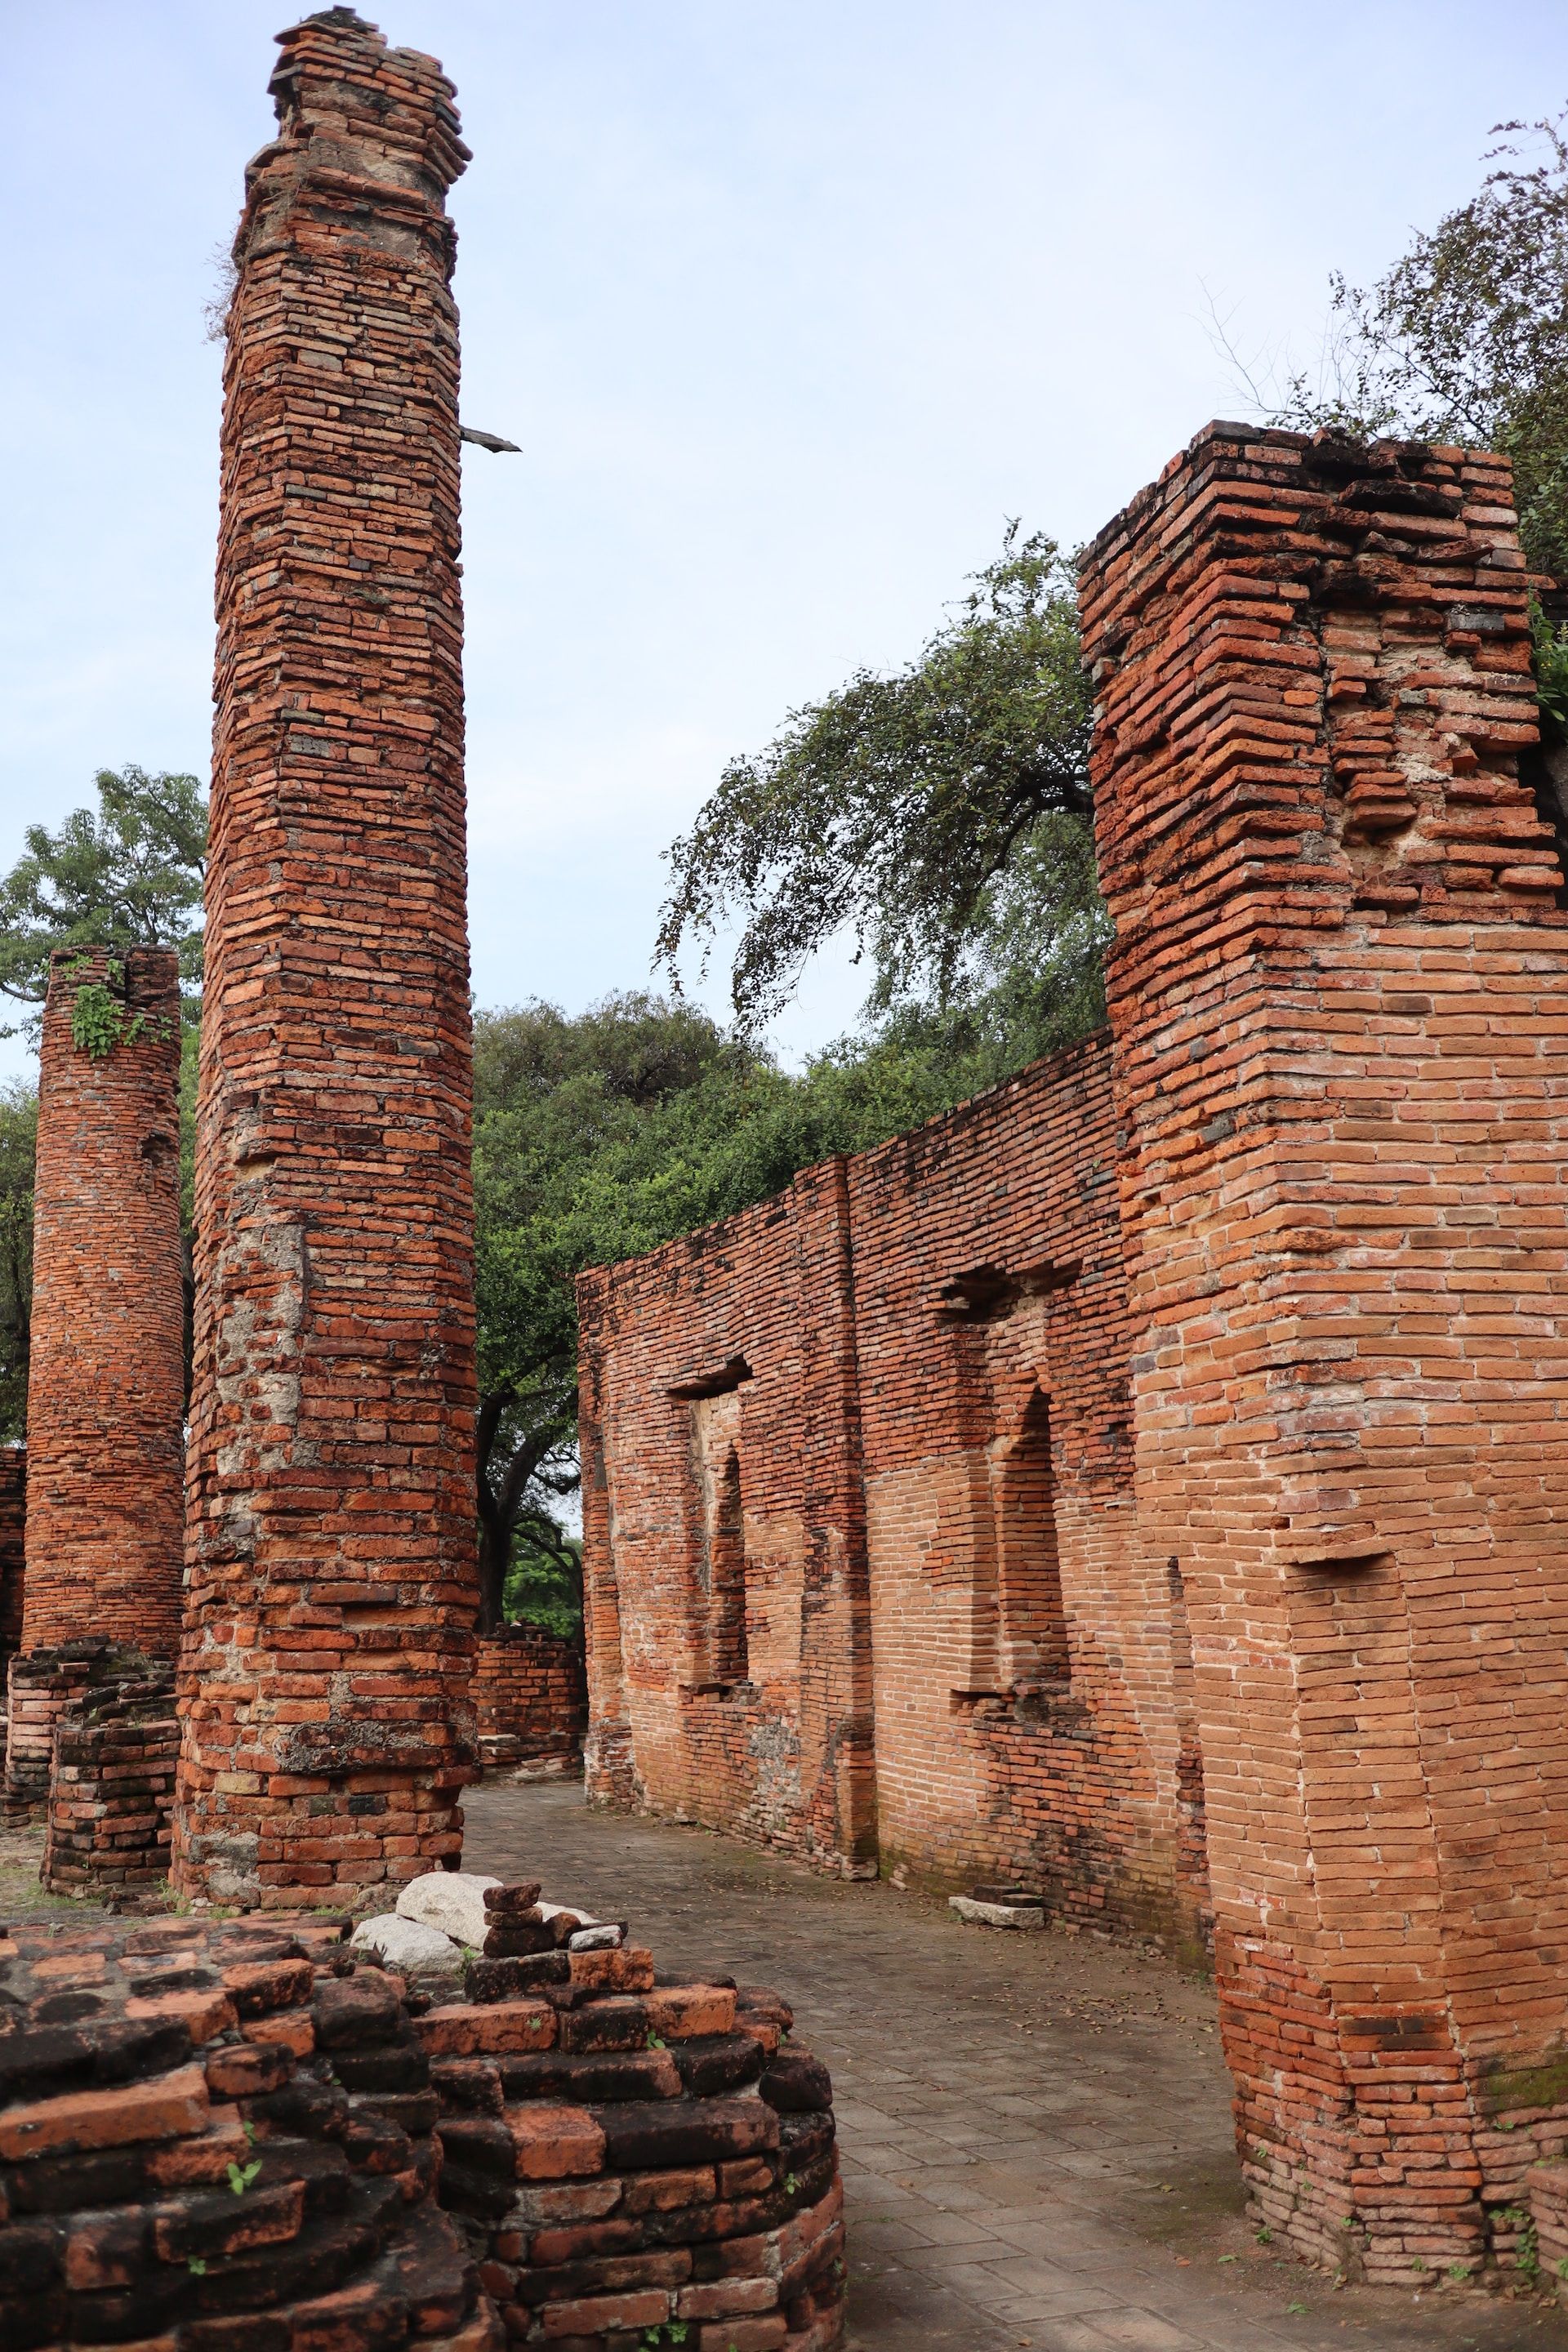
(106, 1382)
(330, 1538)
(1340, 998)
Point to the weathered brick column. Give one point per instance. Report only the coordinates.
(106, 1385)
(330, 1543)
(1340, 999)
(105, 1455)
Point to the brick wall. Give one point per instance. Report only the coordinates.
(719, 1387)
(910, 1370)
(1339, 997)
(13, 1546)
(106, 1388)
(530, 1696)
(330, 1543)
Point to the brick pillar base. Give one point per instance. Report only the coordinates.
(111, 1792)
(40, 1689)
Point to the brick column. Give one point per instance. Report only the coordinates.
(1340, 1001)
(331, 1542)
(106, 1386)
(13, 1546)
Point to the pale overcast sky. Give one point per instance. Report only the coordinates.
(790, 303)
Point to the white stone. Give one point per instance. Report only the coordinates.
(452, 1900)
(997, 1915)
(603, 1938)
(409, 1946)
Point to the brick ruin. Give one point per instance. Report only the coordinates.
(1139, 1484)
(1342, 1050)
(103, 1473)
(1146, 1480)
(235, 2133)
(853, 1464)
(531, 1703)
(331, 1541)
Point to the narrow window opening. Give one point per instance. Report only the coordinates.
(1032, 1632)
(727, 1577)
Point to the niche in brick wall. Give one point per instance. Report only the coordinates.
(1031, 1621)
(720, 1645)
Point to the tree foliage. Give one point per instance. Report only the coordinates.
(18, 1140)
(934, 815)
(130, 875)
(1465, 337)
(602, 1137)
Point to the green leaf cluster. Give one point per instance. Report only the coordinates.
(919, 813)
(1465, 339)
(130, 875)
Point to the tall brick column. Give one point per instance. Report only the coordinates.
(1340, 1001)
(331, 1542)
(105, 1455)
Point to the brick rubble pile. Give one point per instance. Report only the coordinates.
(235, 2137)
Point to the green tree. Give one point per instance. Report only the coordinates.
(18, 1140)
(1465, 337)
(599, 1137)
(130, 875)
(939, 816)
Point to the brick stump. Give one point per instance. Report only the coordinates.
(332, 1575)
(111, 1786)
(229, 2134)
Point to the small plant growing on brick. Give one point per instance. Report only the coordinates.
(240, 2176)
(101, 1019)
(1526, 2251)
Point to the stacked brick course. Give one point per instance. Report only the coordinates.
(1340, 1000)
(231, 2134)
(531, 1701)
(106, 1384)
(330, 1543)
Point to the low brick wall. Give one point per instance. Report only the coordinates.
(111, 1792)
(630, 2163)
(531, 1698)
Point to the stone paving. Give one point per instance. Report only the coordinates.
(1035, 2129)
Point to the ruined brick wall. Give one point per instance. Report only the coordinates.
(1022, 1650)
(1340, 995)
(1014, 1658)
(105, 1497)
(725, 1597)
(330, 1542)
(530, 1695)
(12, 1547)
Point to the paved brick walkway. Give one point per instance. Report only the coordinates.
(1036, 2131)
